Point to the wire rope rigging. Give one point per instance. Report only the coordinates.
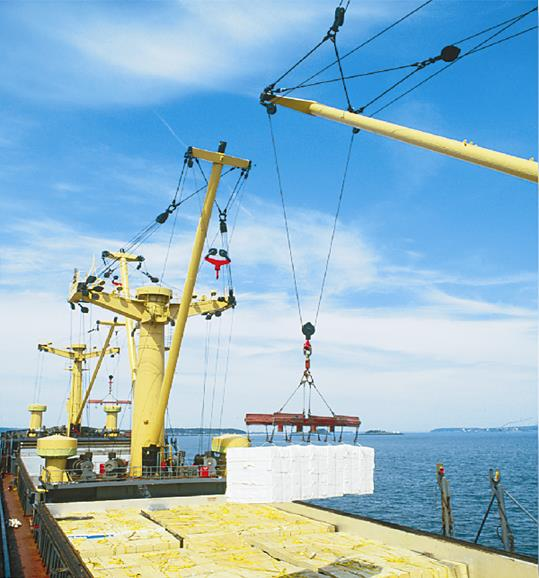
(307, 385)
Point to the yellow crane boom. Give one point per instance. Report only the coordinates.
(463, 150)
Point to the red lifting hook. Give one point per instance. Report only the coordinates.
(217, 263)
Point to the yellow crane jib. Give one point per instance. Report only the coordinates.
(518, 167)
(150, 303)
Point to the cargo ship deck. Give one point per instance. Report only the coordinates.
(206, 536)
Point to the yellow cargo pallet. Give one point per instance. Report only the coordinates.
(237, 540)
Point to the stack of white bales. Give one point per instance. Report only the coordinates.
(298, 472)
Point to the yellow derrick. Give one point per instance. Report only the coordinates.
(467, 151)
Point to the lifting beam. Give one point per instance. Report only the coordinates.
(463, 150)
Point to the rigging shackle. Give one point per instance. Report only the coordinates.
(217, 263)
(337, 22)
(307, 350)
(222, 221)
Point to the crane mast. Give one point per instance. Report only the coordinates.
(152, 309)
(78, 354)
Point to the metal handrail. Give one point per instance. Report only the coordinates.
(137, 472)
(5, 547)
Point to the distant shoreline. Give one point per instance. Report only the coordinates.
(484, 429)
(441, 430)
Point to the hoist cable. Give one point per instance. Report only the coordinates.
(225, 377)
(233, 195)
(215, 370)
(237, 186)
(333, 231)
(476, 48)
(368, 41)
(173, 204)
(204, 381)
(287, 229)
(180, 181)
(225, 243)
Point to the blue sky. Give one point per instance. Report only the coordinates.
(429, 315)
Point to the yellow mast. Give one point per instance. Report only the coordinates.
(78, 355)
(463, 150)
(152, 309)
(218, 160)
(112, 326)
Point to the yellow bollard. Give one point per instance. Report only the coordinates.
(36, 418)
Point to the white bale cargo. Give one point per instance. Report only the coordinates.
(298, 472)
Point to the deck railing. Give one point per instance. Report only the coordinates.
(127, 472)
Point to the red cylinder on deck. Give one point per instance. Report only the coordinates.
(101, 469)
(204, 471)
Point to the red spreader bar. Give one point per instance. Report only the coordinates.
(299, 421)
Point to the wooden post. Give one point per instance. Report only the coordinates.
(447, 514)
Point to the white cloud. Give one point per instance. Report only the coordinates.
(473, 306)
(434, 349)
(138, 53)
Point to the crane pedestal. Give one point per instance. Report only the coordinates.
(56, 449)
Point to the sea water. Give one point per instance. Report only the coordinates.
(406, 492)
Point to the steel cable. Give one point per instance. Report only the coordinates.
(476, 48)
(368, 41)
(334, 229)
(287, 229)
